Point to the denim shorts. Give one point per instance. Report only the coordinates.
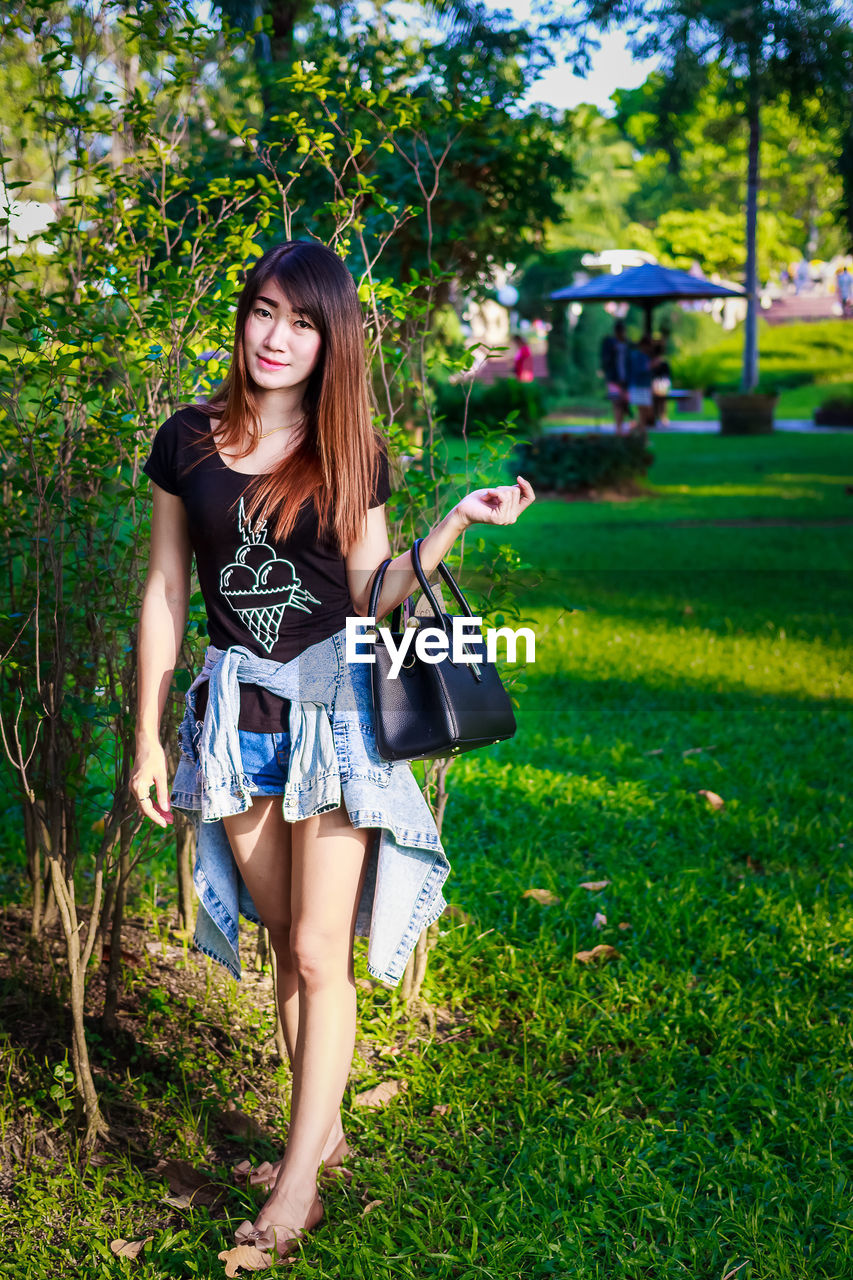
(265, 760)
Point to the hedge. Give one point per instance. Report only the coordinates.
(489, 403)
(837, 411)
(577, 463)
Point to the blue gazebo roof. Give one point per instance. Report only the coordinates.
(648, 283)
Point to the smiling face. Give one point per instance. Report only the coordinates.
(281, 346)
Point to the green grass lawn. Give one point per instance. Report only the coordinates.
(681, 1110)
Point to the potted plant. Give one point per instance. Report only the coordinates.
(746, 413)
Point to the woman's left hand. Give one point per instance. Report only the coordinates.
(501, 505)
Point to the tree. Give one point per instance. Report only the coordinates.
(100, 334)
(700, 163)
(593, 209)
(127, 315)
(769, 48)
(714, 239)
(502, 173)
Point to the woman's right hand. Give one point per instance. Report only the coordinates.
(149, 770)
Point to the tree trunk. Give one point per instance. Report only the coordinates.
(112, 995)
(280, 1042)
(285, 14)
(83, 1078)
(34, 870)
(750, 345)
(557, 355)
(262, 949)
(415, 971)
(184, 848)
(104, 924)
(408, 978)
(50, 913)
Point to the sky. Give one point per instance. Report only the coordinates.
(612, 68)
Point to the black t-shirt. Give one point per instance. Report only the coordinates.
(276, 598)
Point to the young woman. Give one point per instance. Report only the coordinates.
(278, 486)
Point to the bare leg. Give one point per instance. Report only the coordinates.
(261, 842)
(327, 869)
(642, 422)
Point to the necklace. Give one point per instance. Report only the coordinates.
(295, 423)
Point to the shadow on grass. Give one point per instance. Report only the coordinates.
(129, 1067)
(809, 603)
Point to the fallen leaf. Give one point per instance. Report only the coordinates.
(185, 1180)
(600, 920)
(129, 1248)
(692, 751)
(656, 751)
(715, 801)
(379, 1094)
(178, 1202)
(130, 957)
(603, 951)
(374, 1204)
(440, 1109)
(453, 912)
(543, 896)
(235, 1121)
(623, 925)
(245, 1256)
(593, 885)
(757, 867)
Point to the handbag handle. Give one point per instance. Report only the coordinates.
(427, 589)
(376, 591)
(445, 573)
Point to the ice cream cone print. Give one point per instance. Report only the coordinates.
(259, 585)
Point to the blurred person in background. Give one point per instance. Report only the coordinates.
(640, 383)
(615, 351)
(522, 360)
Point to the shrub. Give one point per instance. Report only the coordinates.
(690, 333)
(837, 411)
(575, 463)
(792, 355)
(582, 375)
(489, 403)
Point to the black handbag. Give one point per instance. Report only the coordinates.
(433, 710)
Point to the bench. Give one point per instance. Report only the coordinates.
(686, 401)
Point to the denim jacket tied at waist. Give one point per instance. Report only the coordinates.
(333, 757)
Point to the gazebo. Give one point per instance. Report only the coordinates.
(649, 285)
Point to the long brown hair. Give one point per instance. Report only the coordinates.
(335, 460)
